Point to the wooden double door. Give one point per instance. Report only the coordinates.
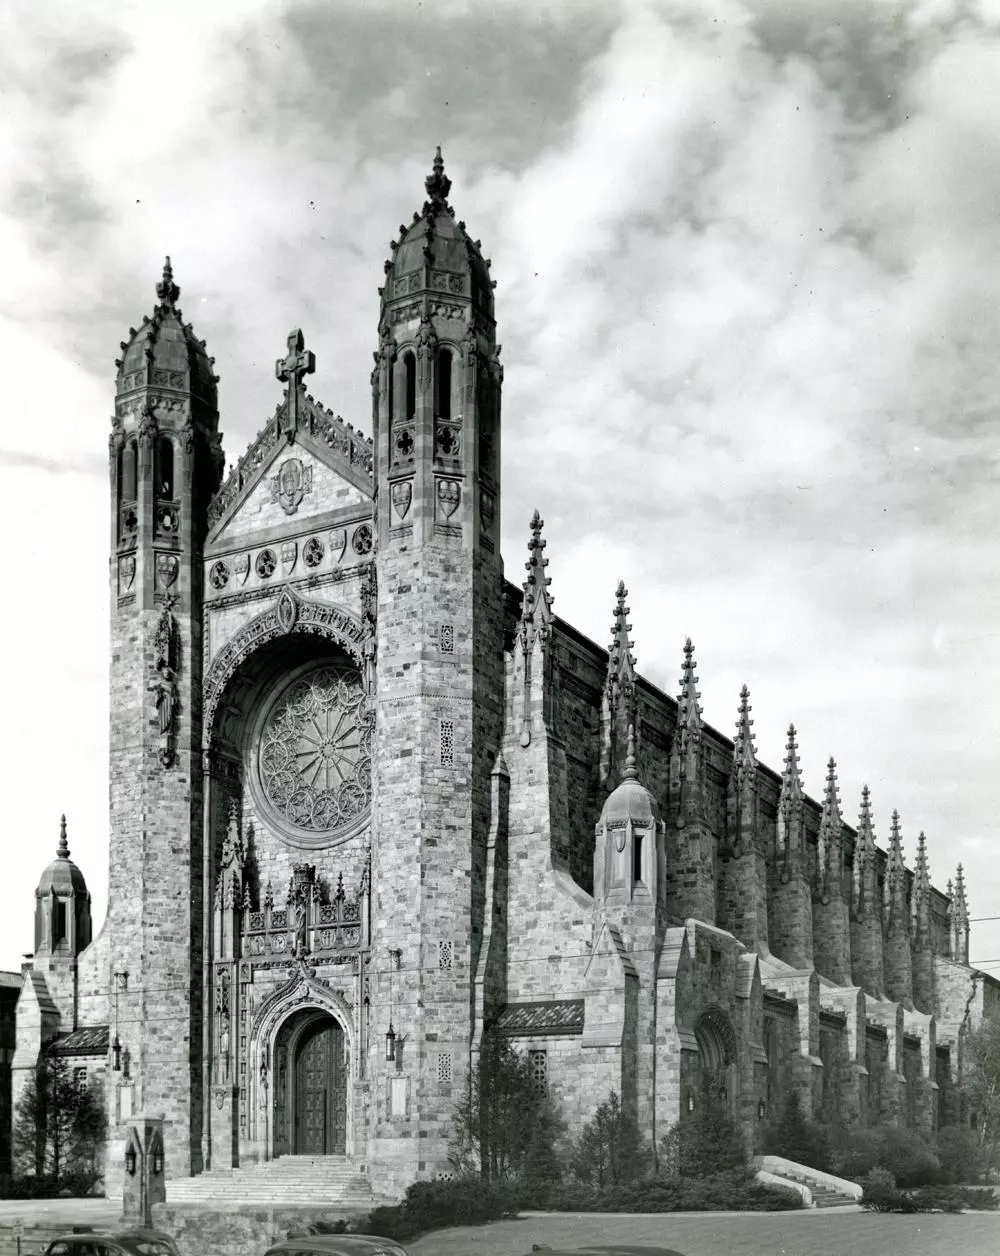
(321, 1091)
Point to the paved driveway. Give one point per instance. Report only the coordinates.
(817, 1232)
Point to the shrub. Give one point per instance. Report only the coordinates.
(793, 1136)
(610, 1150)
(708, 1143)
(435, 1205)
(907, 1156)
(721, 1193)
(960, 1154)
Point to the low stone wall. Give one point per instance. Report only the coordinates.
(237, 1230)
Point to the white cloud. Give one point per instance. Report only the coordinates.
(745, 261)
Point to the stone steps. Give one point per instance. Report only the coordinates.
(823, 1196)
(318, 1180)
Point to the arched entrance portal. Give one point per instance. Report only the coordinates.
(312, 1070)
(718, 1060)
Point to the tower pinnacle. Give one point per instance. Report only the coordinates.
(62, 851)
(831, 831)
(438, 184)
(167, 291)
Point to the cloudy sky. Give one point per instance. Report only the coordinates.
(748, 265)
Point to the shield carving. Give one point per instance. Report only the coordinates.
(126, 573)
(338, 543)
(448, 493)
(167, 566)
(402, 494)
(241, 566)
(289, 553)
(290, 485)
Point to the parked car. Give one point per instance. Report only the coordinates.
(113, 1243)
(337, 1245)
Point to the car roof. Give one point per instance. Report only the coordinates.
(331, 1243)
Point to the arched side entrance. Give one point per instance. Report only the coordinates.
(718, 1059)
(311, 1086)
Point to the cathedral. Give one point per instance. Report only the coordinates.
(370, 801)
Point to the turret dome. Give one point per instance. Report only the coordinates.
(165, 354)
(631, 800)
(436, 254)
(62, 875)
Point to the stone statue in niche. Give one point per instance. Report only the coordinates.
(164, 685)
(300, 947)
(224, 1045)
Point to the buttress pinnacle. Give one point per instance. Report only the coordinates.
(689, 714)
(536, 609)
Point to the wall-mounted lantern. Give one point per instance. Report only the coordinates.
(130, 1159)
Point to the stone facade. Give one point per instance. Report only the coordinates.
(370, 802)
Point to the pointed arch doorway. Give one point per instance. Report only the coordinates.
(311, 1094)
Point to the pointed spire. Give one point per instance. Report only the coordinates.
(631, 772)
(960, 906)
(865, 865)
(895, 878)
(922, 893)
(62, 850)
(960, 920)
(621, 664)
(536, 609)
(744, 754)
(741, 795)
(689, 714)
(831, 833)
(790, 803)
(167, 291)
(438, 184)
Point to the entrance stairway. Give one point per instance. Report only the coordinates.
(827, 1191)
(322, 1181)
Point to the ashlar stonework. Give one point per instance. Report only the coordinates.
(371, 802)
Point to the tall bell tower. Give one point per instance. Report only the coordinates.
(165, 463)
(436, 391)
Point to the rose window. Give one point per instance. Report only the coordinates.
(314, 759)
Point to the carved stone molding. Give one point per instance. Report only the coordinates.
(320, 618)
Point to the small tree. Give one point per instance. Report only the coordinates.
(610, 1151)
(59, 1127)
(796, 1138)
(503, 1125)
(707, 1143)
(982, 1084)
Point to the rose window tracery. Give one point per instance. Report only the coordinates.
(314, 758)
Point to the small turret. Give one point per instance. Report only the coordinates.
(62, 906)
(628, 854)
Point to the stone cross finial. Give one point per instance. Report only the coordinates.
(167, 291)
(62, 852)
(291, 370)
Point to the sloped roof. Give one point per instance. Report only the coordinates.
(10, 981)
(561, 1016)
(93, 1040)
